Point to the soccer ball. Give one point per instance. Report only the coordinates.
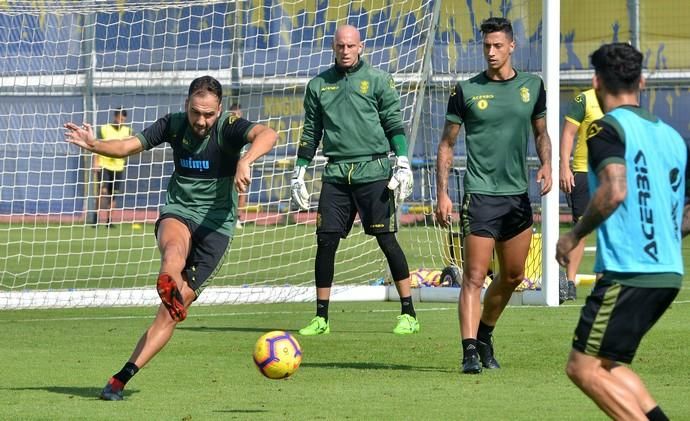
(277, 354)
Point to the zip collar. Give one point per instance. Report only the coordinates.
(353, 69)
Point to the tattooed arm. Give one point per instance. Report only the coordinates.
(611, 192)
(444, 161)
(543, 145)
(607, 197)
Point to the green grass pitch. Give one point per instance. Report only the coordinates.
(56, 361)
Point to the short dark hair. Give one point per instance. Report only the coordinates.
(235, 106)
(497, 25)
(120, 111)
(206, 84)
(619, 65)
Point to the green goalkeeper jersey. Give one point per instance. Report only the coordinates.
(201, 186)
(498, 119)
(355, 113)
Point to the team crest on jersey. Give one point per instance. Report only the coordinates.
(593, 130)
(482, 104)
(185, 141)
(233, 118)
(579, 98)
(364, 86)
(524, 94)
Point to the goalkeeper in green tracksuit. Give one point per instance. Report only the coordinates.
(354, 110)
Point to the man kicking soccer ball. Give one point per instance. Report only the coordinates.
(198, 220)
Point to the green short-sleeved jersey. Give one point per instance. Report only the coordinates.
(354, 113)
(201, 187)
(498, 119)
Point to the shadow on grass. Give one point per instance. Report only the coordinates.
(229, 329)
(84, 392)
(376, 366)
(270, 328)
(240, 411)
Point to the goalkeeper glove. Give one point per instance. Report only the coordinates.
(402, 181)
(298, 189)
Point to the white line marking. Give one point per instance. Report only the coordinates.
(192, 316)
(260, 313)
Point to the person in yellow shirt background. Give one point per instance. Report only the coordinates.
(582, 111)
(110, 172)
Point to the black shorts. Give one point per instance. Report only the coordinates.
(111, 181)
(497, 217)
(578, 198)
(208, 250)
(615, 317)
(340, 203)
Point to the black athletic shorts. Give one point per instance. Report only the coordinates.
(578, 198)
(497, 217)
(340, 203)
(615, 317)
(206, 255)
(111, 181)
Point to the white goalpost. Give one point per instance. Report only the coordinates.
(81, 61)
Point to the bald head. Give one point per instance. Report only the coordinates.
(347, 46)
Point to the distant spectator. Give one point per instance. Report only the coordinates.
(110, 172)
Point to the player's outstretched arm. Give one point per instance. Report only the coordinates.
(262, 139)
(83, 137)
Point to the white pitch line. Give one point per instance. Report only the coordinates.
(261, 313)
(192, 316)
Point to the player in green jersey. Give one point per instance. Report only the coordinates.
(356, 109)
(197, 221)
(499, 108)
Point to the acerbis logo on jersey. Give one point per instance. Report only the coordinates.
(643, 198)
(524, 94)
(482, 100)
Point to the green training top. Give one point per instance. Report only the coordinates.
(356, 114)
(201, 187)
(498, 119)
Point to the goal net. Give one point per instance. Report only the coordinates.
(64, 245)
